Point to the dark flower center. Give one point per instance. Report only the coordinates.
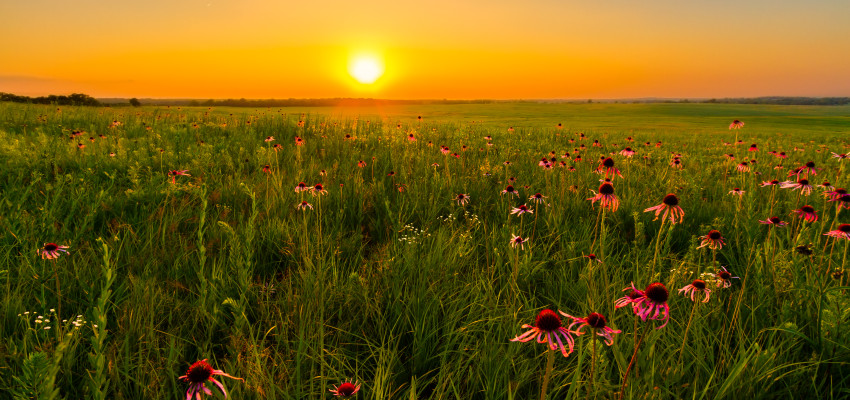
(714, 235)
(810, 164)
(199, 372)
(593, 256)
(608, 162)
(775, 220)
(346, 389)
(826, 184)
(723, 275)
(744, 164)
(844, 228)
(319, 187)
(699, 284)
(523, 207)
(461, 197)
(774, 182)
(657, 292)
(509, 189)
(596, 321)
(671, 200)
(302, 185)
(805, 250)
(803, 182)
(634, 294)
(538, 196)
(547, 321)
(627, 149)
(53, 246)
(807, 209)
(606, 189)
(840, 191)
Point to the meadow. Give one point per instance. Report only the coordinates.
(188, 239)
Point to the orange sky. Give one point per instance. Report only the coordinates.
(438, 49)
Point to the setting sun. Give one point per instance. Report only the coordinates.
(365, 69)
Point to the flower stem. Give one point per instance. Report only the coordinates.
(687, 328)
(550, 361)
(593, 367)
(657, 242)
(632, 361)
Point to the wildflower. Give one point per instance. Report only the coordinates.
(596, 322)
(713, 240)
(521, 210)
(802, 184)
(510, 190)
(198, 374)
(843, 201)
(111, 154)
(607, 165)
(318, 189)
(807, 213)
(518, 241)
(825, 185)
(781, 155)
(840, 156)
(631, 298)
(723, 278)
(267, 169)
(548, 329)
(175, 173)
(361, 164)
(627, 152)
(277, 147)
(743, 167)
(753, 147)
(411, 138)
(462, 199)
(770, 183)
(670, 205)
(304, 205)
(301, 187)
(537, 198)
(730, 156)
(698, 285)
(836, 194)
(298, 140)
(736, 124)
(269, 139)
(653, 303)
(346, 389)
(592, 257)
(843, 232)
(50, 251)
(775, 221)
(737, 191)
(606, 197)
(809, 168)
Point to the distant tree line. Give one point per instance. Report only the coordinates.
(789, 101)
(76, 99)
(331, 102)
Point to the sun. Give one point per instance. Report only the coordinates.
(365, 69)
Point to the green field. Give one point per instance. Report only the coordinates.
(388, 280)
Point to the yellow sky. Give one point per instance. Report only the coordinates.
(438, 49)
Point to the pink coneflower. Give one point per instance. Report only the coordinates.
(511, 129)
(411, 138)
(676, 163)
(596, 322)
(267, 169)
(840, 156)
(835, 194)
(736, 124)
(653, 304)
(299, 141)
(361, 164)
(670, 205)
(537, 198)
(301, 187)
(753, 147)
(488, 138)
(518, 241)
(802, 184)
(714, 240)
(770, 183)
(730, 156)
(521, 210)
(607, 166)
(795, 172)
(807, 213)
(809, 168)
(50, 251)
(269, 139)
(825, 185)
(318, 190)
(592, 257)
(606, 197)
(737, 192)
(631, 298)
(462, 199)
(510, 190)
(843, 201)
(277, 147)
(697, 286)
(445, 150)
(775, 221)
(627, 152)
(175, 173)
(781, 155)
(596, 143)
(724, 278)
(346, 389)
(303, 205)
(843, 232)
(391, 173)
(198, 375)
(111, 154)
(743, 167)
(548, 329)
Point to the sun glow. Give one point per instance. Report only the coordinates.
(366, 69)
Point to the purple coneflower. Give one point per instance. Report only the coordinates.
(770, 183)
(743, 167)
(843, 232)
(714, 240)
(627, 152)
(653, 304)
(269, 139)
(835, 194)
(802, 184)
(596, 322)
(318, 190)
(267, 169)
(200, 373)
(510, 190)
(346, 389)
(825, 185)
(840, 156)
(50, 251)
(607, 166)
(606, 197)
(304, 205)
(548, 329)
(537, 198)
(670, 205)
(518, 241)
(697, 286)
(736, 124)
(724, 277)
(301, 187)
(521, 210)
(753, 147)
(175, 173)
(775, 221)
(592, 257)
(462, 199)
(631, 298)
(807, 213)
(737, 191)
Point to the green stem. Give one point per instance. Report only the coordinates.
(550, 361)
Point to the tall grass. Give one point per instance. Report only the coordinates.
(400, 287)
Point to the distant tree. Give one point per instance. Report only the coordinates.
(135, 102)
